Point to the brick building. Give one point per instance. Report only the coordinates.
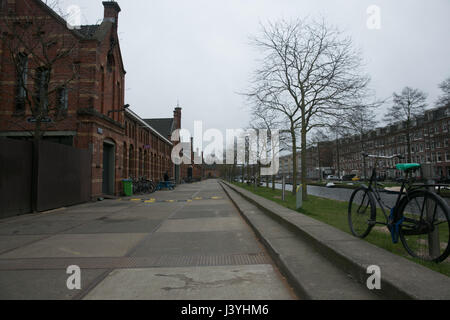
(96, 117)
(429, 144)
(430, 138)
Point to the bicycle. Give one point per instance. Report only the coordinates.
(419, 218)
(143, 186)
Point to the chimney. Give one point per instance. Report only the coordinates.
(177, 118)
(112, 10)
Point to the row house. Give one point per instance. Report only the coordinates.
(95, 115)
(429, 137)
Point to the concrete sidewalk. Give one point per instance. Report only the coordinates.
(323, 262)
(190, 243)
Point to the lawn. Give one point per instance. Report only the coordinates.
(334, 213)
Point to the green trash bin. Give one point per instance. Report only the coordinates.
(128, 187)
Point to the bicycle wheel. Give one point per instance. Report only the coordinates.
(152, 187)
(426, 228)
(361, 212)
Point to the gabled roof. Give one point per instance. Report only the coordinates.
(146, 124)
(87, 32)
(164, 126)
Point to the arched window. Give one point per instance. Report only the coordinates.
(21, 82)
(110, 62)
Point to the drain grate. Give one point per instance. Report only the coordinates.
(133, 262)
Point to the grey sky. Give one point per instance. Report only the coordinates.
(197, 51)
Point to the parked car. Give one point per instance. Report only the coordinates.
(349, 177)
(333, 178)
(356, 178)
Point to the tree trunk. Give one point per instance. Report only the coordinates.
(408, 144)
(318, 155)
(273, 182)
(294, 162)
(338, 160)
(303, 165)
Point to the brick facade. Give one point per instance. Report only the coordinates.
(96, 116)
(430, 139)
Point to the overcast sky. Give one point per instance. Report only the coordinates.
(197, 51)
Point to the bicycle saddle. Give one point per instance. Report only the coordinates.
(408, 166)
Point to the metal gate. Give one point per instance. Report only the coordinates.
(62, 176)
(15, 177)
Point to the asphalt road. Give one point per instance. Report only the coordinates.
(186, 244)
(345, 194)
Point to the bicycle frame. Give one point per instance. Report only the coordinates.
(405, 189)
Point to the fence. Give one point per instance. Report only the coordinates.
(42, 176)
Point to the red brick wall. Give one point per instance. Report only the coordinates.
(98, 90)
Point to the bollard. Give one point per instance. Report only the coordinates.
(433, 238)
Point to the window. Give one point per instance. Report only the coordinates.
(447, 157)
(439, 157)
(110, 62)
(22, 74)
(41, 89)
(63, 99)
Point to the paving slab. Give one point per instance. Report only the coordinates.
(12, 242)
(142, 213)
(203, 225)
(197, 243)
(41, 284)
(256, 282)
(196, 212)
(74, 216)
(37, 227)
(78, 245)
(123, 225)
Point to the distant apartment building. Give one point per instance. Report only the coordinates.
(319, 162)
(430, 138)
(429, 145)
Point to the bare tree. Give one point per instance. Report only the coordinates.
(309, 73)
(361, 120)
(444, 99)
(268, 120)
(338, 129)
(408, 105)
(42, 54)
